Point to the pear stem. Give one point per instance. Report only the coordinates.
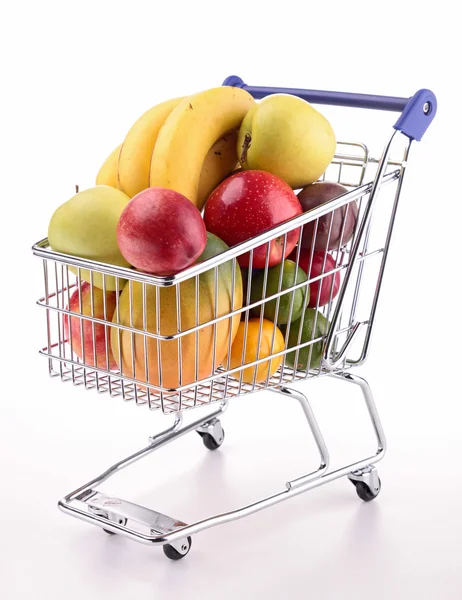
(245, 147)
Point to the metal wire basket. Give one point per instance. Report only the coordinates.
(97, 339)
(91, 369)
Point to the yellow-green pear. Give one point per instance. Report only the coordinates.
(286, 136)
(85, 226)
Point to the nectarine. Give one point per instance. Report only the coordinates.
(87, 336)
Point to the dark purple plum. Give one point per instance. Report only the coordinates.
(316, 194)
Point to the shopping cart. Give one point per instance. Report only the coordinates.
(181, 368)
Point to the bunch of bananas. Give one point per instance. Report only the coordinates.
(186, 144)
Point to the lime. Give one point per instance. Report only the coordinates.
(291, 275)
(309, 331)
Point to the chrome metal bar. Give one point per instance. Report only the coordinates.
(311, 481)
(217, 375)
(262, 311)
(386, 247)
(306, 300)
(60, 339)
(246, 318)
(106, 333)
(48, 327)
(145, 341)
(318, 438)
(353, 332)
(276, 310)
(196, 335)
(231, 323)
(371, 407)
(119, 334)
(357, 288)
(305, 287)
(180, 341)
(71, 343)
(159, 440)
(239, 311)
(339, 253)
(215, 316)
(159, 346)
(330, 362)
(40, 249)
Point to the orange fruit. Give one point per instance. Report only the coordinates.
(266, 339)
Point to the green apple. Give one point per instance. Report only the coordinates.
(85, 226)
(286, 136)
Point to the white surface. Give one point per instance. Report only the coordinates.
(76, 79)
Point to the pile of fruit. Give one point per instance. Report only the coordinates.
(193, 177)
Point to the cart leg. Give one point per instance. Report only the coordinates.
(150, 527)
(115, 515)
(320, 443)
(176, 425)
(366, 479)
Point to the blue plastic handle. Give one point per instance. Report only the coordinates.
(417, 112)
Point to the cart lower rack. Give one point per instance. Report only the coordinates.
(188, 364)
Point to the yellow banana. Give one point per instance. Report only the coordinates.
(135, 155)
(220, 162)
(188, 134)
(107, 175)
(221, 159)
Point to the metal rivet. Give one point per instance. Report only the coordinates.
(427, 108)
(184, 547)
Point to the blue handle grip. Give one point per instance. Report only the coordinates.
(417, 112)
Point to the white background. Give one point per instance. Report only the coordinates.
(75, 77)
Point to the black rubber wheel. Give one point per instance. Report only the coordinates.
(209, 442)
(173, 554)
(121, 522)
(365, 492)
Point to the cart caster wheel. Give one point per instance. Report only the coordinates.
(212, 434)
(365, 492)
(174, 554)
(210, 442)
(120, 522)
(367, 483)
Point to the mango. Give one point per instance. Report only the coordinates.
(314, 325)
(138, 356)
(85, 226)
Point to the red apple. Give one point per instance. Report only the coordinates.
(343, 219)
(161, 232)
(79, 344)
(315, 271)
(247, 204)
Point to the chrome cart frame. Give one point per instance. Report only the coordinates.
(344, 344)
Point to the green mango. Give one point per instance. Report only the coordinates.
(309, 332)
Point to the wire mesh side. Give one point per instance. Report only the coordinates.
(214, 335)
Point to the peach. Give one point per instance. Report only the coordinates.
(86, 335)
